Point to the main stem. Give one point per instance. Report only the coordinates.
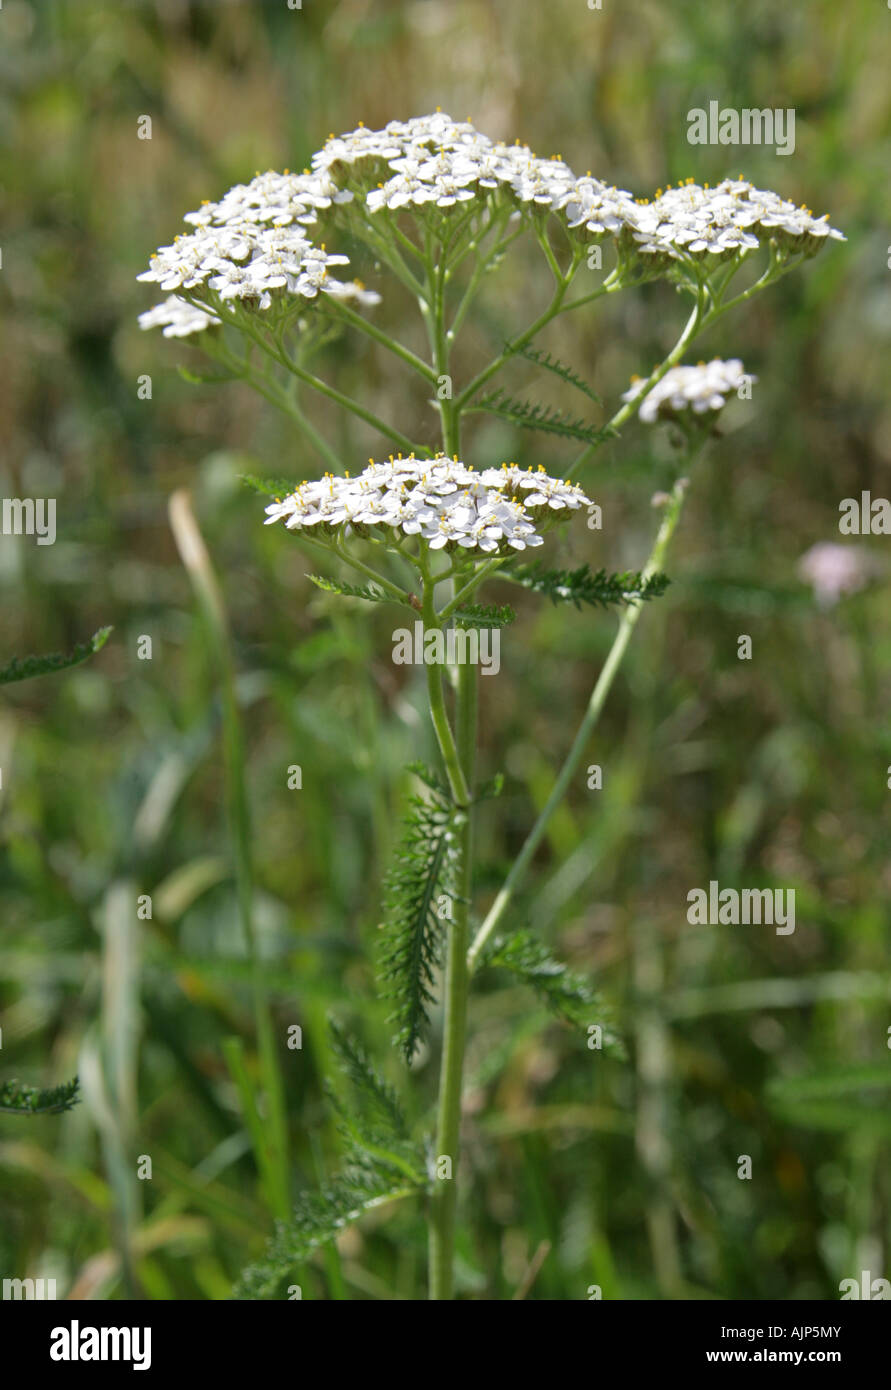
(444, 1198)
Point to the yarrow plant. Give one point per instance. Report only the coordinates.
(252, 282)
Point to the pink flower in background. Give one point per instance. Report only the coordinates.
(833, 570)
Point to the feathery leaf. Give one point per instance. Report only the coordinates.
(16, 1099)
(482, 615)
(371, 593)
(584, 585)
(531, 415)
(23, 668)
(377, 1101)
(553, 364)
(365, 1182)
(412, 932)
(269, 487)
(567, 994)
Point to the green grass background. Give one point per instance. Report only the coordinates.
(774, 771)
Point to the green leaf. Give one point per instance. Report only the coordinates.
(426, 775)
(587, 586)
(276, 488)
(567, 994)
(208, 378)
(412, 932)
(319, 1217)
(371, 593)
(377, 1101)
(16, 1099)
(491, 788)
(530, 415)
(552, 364)
(23, 668)
(478, 615)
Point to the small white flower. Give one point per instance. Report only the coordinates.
(177, 318)
(703, 388)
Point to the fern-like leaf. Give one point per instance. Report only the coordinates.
(531, 415)
(566, 993)
(377, 1103)
(371, 593)
(412, 932)
(560, 369)
(276, 488)
(586, 586)
(16, 1099)
(23, 668)
(480, 615)
(319, 1217)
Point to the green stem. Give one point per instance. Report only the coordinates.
(276, 352)
(521, 341)
(444, 1199)
(464, 593)
(436, 699)
(416, 363)
(482, 265)
(595, 706)
(694, 323)
(392, 590)
(270, 390)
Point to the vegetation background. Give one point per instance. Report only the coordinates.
(592, 1170)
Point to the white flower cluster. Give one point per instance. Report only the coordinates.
(437, 160)
(253, 243)
(730, 217)
(702, 388)
(276, 199)
(442, 501)
(247, 246)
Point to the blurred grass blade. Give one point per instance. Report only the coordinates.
(271, 1136)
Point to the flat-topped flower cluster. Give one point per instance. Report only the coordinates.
(442, 501)
(437, 160)
(249, 245)
(702, 389)
(253, 244)
(733, 216)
